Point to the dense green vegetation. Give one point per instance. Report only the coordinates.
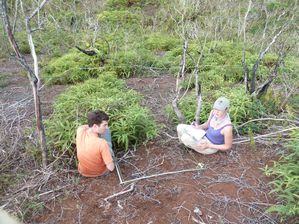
(243, 107)
(286, 182)
(3, 80)
(129, 122)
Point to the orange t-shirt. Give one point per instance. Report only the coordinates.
(92, 152)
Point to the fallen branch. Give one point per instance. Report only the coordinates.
(120, 193)
(160, 174)
(269, 119)
(266, 135)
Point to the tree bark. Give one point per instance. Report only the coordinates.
(264, 87)
(198, 88)
(258, 61)
(245, 67)
(180, 77)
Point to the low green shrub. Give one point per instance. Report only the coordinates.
(293, 105)
(3, 80)
(161, 42)
(271, 101)
(4, 44)
(22, 40)
(119, 17)
(129, 122)
(286, 180)
(71, 68)
(121, 4)
(221, 63)
(132, 62)
(49, 41)
(243, 107)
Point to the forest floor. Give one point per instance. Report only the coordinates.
(229, 188)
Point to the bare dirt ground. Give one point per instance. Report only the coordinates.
(230, 187)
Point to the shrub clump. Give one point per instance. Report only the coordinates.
(121, 4)
(221, 63)
(286, 182)
(132, 62)
(161, 42)
(129, 122)
(71, 68)
(243, 106)
(3, 80)
(119, 17)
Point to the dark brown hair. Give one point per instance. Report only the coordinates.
(96, 117)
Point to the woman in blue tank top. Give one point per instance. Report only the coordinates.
(214, 135)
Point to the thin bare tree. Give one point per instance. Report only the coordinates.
(189, 29)
(283, 21)
(33, 74)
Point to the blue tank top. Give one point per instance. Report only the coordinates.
(214, 135)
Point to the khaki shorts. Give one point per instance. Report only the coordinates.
(192, 137)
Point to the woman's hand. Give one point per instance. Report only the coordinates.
(195, 125)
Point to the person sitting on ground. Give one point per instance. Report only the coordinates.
(215, 134)
(94, 153)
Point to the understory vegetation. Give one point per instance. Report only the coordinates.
(3, 80)
(129, 122)
(92, 49)
(286, 182)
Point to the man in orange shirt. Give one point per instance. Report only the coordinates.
(93, 153)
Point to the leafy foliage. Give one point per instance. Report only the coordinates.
(22, 40)
(243, 107)
(118, 17)
(132, 62)
(222, 63)
(286, 182)
(121, 4)
(71, 68)
(161, 42)
(3, 80)
(130, 123)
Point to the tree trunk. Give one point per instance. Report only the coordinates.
(264, 87)
(180, 77)
(33, 78)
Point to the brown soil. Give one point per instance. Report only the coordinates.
(231, 187)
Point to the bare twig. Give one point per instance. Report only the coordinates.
(121, 193)
(260, 57)
(160, 174)
(266, 135)
(269, 119)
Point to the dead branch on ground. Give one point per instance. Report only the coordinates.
(160, 174)
(269, 119)
(237, 141)
(121, 192)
